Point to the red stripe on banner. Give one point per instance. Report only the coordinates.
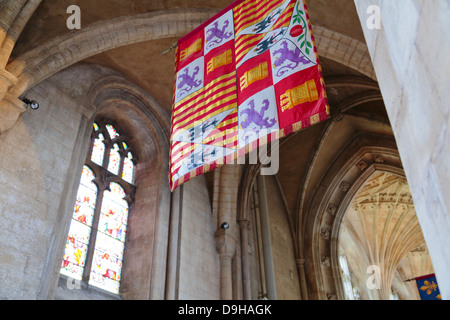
(426, 277)
(177, 149)
(285, 19)
(243, 20)
(194, 97)
(208, 90)
(240, 54)
(249, 41)
(230, 126)
(217, 97)
(253, 21)
(205, 115)
(184, 156)
(175, 144)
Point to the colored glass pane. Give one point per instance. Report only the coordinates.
(80, 227)
(107, 263)
(87, 175)
(112, 227)
(83, 213)
(98, 151)
(128, 168)
(114, 205)
(112, 208)
(109, 245)
(96, 127)
(112, 131)
(114, 159)
(125, 146)
(86, 198)
(76, 249)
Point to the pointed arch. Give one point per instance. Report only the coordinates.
(325, 211)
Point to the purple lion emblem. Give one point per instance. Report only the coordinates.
(293, 57)
(185, 79)
(216, 35)
(257, 118)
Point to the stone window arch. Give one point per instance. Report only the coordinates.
(94, 250)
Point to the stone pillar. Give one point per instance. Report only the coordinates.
(227, 190)
(243, 227)
(301, 273)
(266, 239)
(226, 247)
(412, 66)
(173, 252)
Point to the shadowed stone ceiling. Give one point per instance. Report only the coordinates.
(142, 63)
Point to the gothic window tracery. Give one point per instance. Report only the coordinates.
(96, 240)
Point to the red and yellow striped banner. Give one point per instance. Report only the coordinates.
(251, 68)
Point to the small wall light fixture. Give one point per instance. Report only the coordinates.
(31, 103)
(225, 225)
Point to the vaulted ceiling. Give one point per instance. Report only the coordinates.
(381, 229)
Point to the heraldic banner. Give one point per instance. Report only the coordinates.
(428, 288)
(245, 77)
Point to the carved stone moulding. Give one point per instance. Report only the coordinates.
(325, 261)
(331, 209)
(325, 234)
(362, 165)
(344, 186)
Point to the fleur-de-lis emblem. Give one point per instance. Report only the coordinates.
(429, 287)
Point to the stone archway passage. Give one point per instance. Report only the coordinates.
(378, 230)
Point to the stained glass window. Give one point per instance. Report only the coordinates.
(103, 203)
(128, 168)
(80, 228)
(98, 151)
(110, 240)
(114, 159)
(112, 131)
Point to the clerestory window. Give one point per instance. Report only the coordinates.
(95, 244)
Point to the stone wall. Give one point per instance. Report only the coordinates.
(199, 270)
(35, 162)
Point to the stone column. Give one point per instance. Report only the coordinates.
(173, 251)
(266, 239)
(227, 190)
(301, 273)
(243, 227)
(226, 247)
(412, 66)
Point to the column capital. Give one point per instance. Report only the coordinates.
(10, 110)
(7, 80)
(244, 222)
(225, 243)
